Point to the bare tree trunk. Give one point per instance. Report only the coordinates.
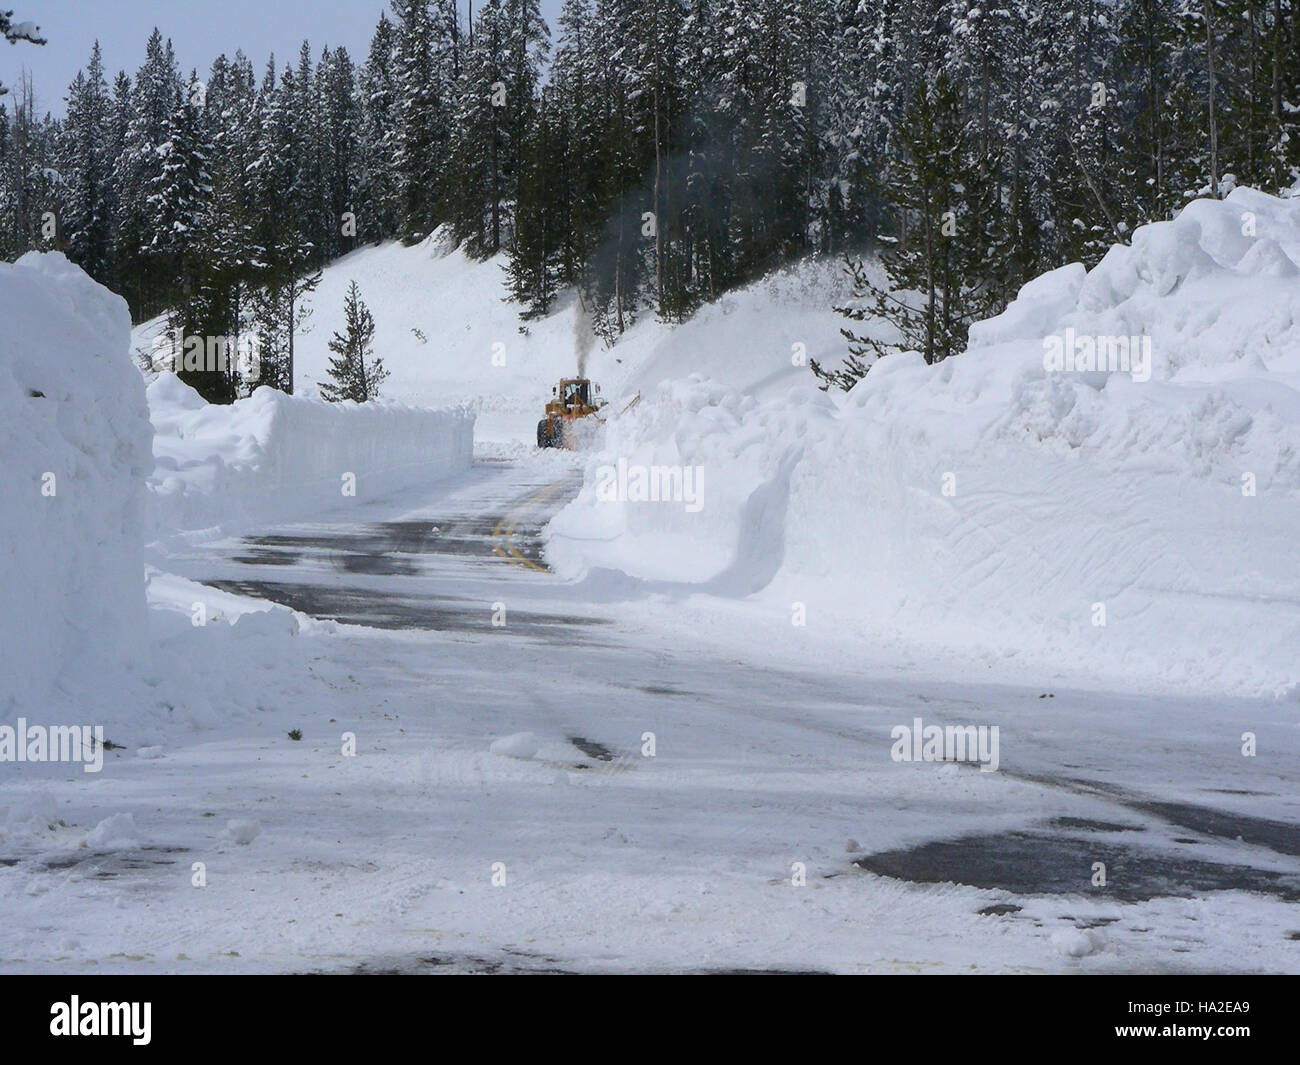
(289, 383)
(659, 255)
(930, 284)
(1252, 117)
(1096, 193)
(1208, 7)
(618, 274)
(1277, 63)
(1157, 130)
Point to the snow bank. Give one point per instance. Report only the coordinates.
(275, 456)
(1007, 507)
(735, 453)
(74, 440)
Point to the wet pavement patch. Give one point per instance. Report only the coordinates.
(1280, 836)
(376, 565)
(383, 549)
(521, 963)
(1275, 835)
(106, 865)
(384, 610)
(1034, 863)
(1085, 825)
(393, 547)
(659, 689)
(264, 557)
(461, 963)
(592, 749)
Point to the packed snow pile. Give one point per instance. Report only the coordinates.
(276, 456)
(692, 486)
(1107, 482)
(74, 441)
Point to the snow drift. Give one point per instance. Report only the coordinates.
(275, 456)
(1136, 527)
(74, 440)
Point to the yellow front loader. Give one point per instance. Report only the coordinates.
(574, 398)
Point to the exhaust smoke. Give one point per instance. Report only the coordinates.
(584, 335)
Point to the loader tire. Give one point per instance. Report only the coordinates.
(544, 433)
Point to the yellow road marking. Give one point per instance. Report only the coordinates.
(505, 528)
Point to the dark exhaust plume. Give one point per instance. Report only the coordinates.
(584, 335)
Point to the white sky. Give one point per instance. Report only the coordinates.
(200, 30)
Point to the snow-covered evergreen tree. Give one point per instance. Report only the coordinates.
(355, 372)
(138, 174)
(87, 165)
(422, 69)
(378, 204)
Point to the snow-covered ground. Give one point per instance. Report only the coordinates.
(612, 858)
(678, 748)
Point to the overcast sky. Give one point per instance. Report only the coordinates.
(200, 30)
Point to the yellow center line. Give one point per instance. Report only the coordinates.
(505, 528)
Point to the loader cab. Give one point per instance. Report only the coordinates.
(575, 393)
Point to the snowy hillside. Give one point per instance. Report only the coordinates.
(440, 316)
(1122, 524)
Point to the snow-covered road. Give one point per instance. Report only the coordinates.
(688, 784)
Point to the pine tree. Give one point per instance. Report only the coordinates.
(229, 246)
(478, 175)
(306, 142)
(936, 289)
(86, 165)
(285, 274)
(354, 371)
(138, 172)
(377, 195)
(536, 250)
(34, 185)
(496, 105)
(418, 130)
(179, 195)
(187, 243)
(577, 106)
(339, 127)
